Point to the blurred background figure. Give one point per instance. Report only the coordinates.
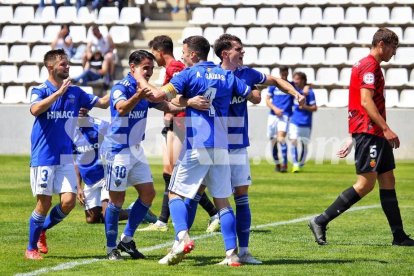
(64, 41)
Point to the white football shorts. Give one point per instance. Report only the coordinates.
(298, 132)
(276, 124)
(49, 180)
(95, 194)
(239, 167)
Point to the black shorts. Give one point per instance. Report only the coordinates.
(372, 154)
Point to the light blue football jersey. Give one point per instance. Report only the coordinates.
(208, 129)
(53, 130)
(301, 117)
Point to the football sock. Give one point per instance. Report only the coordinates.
(138, 212)
(390, 207)
(165, 210)
(228, 227)
(294, 153)
(191, 205)
(36, 222)
(179, 214)
(243, 250)
(303, 154)
(55, 216)
(275, 153)
(283, 149)
(207, 205)
(344, 201)
(243, 220)
(111, 224)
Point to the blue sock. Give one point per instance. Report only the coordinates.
(275, 154)
(179, 214)
(55, 216)
(191, 205)
(36, 222)
(228, 227)
(283, 149)
(243, 220)
(111, 224)
(294, 152)
(137, 214)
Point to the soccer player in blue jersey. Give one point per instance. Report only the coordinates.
(301, 122)
(205, 157)
(55, 105)
(229, 49)
(125, 159)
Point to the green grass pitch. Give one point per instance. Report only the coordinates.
(359, 241)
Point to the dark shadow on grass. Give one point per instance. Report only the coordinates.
(260, 231)
(332, 261)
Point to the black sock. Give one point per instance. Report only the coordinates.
(389, 205)
(207, 205)
(275, 153)
(344, 201)
(165, 210)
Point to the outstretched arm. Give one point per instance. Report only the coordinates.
(285, 87)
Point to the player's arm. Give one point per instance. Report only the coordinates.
(168, 107)
(368, 104)
(197, 102)
(103, 102)
(125, 106)
(43, 105)
(285, 87)
(80, 195)
(278, 112)
(154, 94)
(254, 96)
(346, 148)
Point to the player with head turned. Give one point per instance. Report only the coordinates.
(162, 48)
(374, 142)
(301, 122)
(55, 105)
(229, 49)
(124, 156)
(205, 160)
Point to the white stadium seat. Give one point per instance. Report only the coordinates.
(250, 55)
(408, 36)
(396, 77)
(65, 15)
(75, 71)
(11, 34)
(289, 15)
(44, 74)
(300, 35)
(44, 15)
(32, 33)
(78, 33)
(224, 16)
(345, 76)
(38, 53)
(264, 70)
(19, 53)
(6, 14)
(333, 16)
(411, 82)
(313, 55)
(245, 16)
(23, 15)
(129, 16)
(345, 35)
(323, 35)
(336, 56)
(230, 2)
(397, 30)
(202, 16)
(279, 36)
(257, 36)
(267, 16)
(356, 54)
(108, 15)
(28, 74)
(404, 56)
(355, 15)
(391, 98)
(321, 96)
(8, 73)
(190, 31)
(212, 33)
(4, 52)
(311, 16)
(87, 89)
(378, 15)
(85, 16)
(240, 32)
(120, 34)
(365, 35)
(291, 56)
(326, 76)
(268, 56)
(15, 94)
(401, 15)
(338, 98)
(51, 33)
(1, 94)
(406, 98)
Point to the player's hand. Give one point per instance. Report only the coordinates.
(278, 112)
(301, 99)
(157, 96)
(65, 85)
(199, 102)
(345, 149)
(392, 138)
(80, 196)
(143, 92)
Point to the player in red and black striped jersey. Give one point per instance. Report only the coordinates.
(162, 48)
(374, 142)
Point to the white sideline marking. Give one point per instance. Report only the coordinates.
(70, 265)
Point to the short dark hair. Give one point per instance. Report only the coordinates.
(386, 35)
(52, 55)
(163, 43)
(301, 75)
(198, 44)
(283, 68)
(224, 43)
(138, 56)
